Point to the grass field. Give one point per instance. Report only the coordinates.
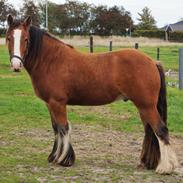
(26, 136)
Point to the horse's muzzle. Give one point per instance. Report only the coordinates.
(16, 64)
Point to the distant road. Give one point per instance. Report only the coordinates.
(2, 41)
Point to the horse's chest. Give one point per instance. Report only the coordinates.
(40, 90)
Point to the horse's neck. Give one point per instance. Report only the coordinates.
(50, 51)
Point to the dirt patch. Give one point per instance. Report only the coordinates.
(102, 156)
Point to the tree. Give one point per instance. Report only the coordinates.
(68, 18)
(75, 17)
(5, 9)
(146, 20)
(30, 9)
(57, 17)
(78, 16)
(53, 15)
(110, 20)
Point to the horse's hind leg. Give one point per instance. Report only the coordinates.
(62, 152)
(157, 152)
(150, 154)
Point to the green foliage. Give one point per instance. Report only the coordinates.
(176, 36)
(2, 32)
(69, 18)
(146, 20)
(5, 9)
(110, 20)
(149, 33)
(78, 18)
(30, 9)
(78, 15)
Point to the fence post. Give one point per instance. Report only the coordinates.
(110, 46)
(136, 45)
(91, 44)
(158, 52)
(181, 68)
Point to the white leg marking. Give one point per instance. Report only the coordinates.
(168, 160)
(62, 141)
(17, 37)
(59, 142)
(65, 147)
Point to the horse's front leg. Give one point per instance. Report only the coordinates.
(62, 152)
(51, 157)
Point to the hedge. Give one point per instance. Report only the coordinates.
(176, 36)
(2, 32)
(149, 33)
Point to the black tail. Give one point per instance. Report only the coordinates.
(162, 102)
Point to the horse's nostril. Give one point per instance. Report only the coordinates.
(16, 70)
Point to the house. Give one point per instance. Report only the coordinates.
(174, 27)
(171, 28)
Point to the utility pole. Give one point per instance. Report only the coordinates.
(46, 14)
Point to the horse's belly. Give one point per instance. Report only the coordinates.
(95, 99)
(89, 102)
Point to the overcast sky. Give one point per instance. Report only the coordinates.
(164, 11)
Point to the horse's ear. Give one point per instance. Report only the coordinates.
(28, 21)
(10, 20)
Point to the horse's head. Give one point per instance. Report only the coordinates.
(17, 40)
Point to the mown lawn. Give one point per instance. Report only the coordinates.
(24, 117)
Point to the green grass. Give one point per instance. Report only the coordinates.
(22, 112)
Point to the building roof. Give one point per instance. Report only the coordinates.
(174, 27)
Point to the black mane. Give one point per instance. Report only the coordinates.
(35, 42)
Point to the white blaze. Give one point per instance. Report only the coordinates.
(17, 36)
(16, 63)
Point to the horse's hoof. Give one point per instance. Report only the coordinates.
(69, 158)
(141, 166)
(51, 157)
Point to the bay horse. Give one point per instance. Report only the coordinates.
(62, 76)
